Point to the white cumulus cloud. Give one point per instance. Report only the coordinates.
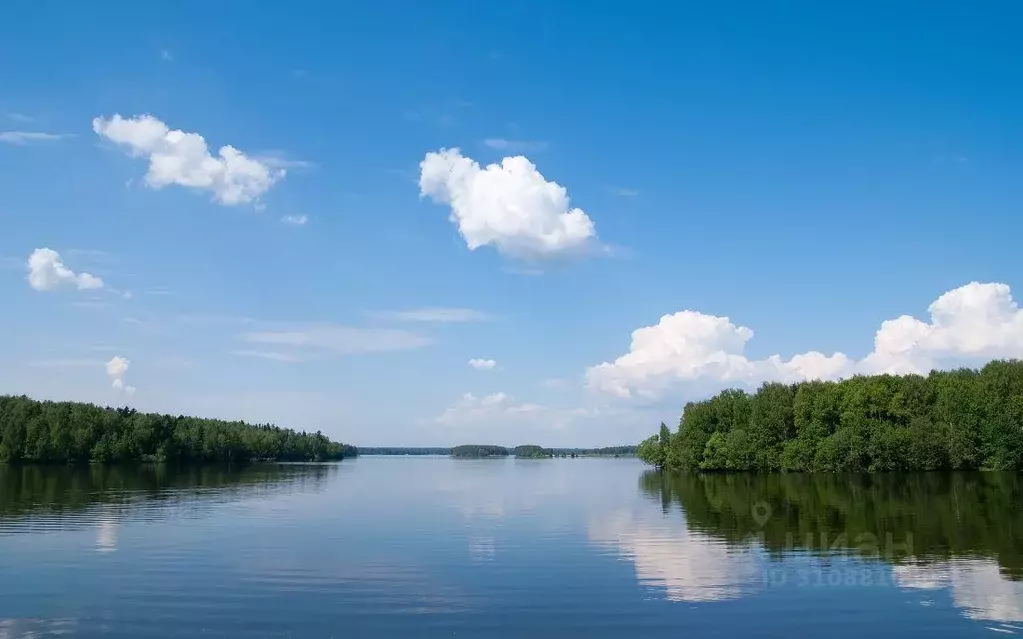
(968, 324)
(46, 272)
(116, 368)
(975, 322)
(177, 157)
(482, 364)
(510, 205)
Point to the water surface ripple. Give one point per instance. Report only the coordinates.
(436, 547)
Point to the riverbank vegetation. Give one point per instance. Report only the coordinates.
(949, 420)
(62, 432)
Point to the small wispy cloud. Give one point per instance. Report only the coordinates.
(951, 158)
(19, 117)
(522, 269)
(174, 362)
(103, 348)
(505, 409)
(92, 304)
(624, 192)
(199, 319)
(91, 255)
(515, 146)
(340, 340)
(409, 175)
(295, 220)
(276, 159)
(166, 55)
(24, 138)
(431, 114)
(66, 363)
(434, 314)
(275, 356)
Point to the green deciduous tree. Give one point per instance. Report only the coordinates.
(960, 419)
(52, 432)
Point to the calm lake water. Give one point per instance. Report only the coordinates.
(435, 547)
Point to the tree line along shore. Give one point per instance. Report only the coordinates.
(963, 419)
(65, 432)
(45, 432)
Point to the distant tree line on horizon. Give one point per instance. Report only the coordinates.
(404, 450)
(532, 451)
(960, 419)
(61, 432)
(606, 451)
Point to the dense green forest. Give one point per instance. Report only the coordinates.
(961, 419)
(478, 451)
(59, 432)
(530, 451)
(896, 516)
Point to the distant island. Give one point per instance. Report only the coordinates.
(963, 419)
(478, 451)
(530, 451)
(64, 432)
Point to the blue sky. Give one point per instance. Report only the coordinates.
(806, 170)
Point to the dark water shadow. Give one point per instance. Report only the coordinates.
(68, 494)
